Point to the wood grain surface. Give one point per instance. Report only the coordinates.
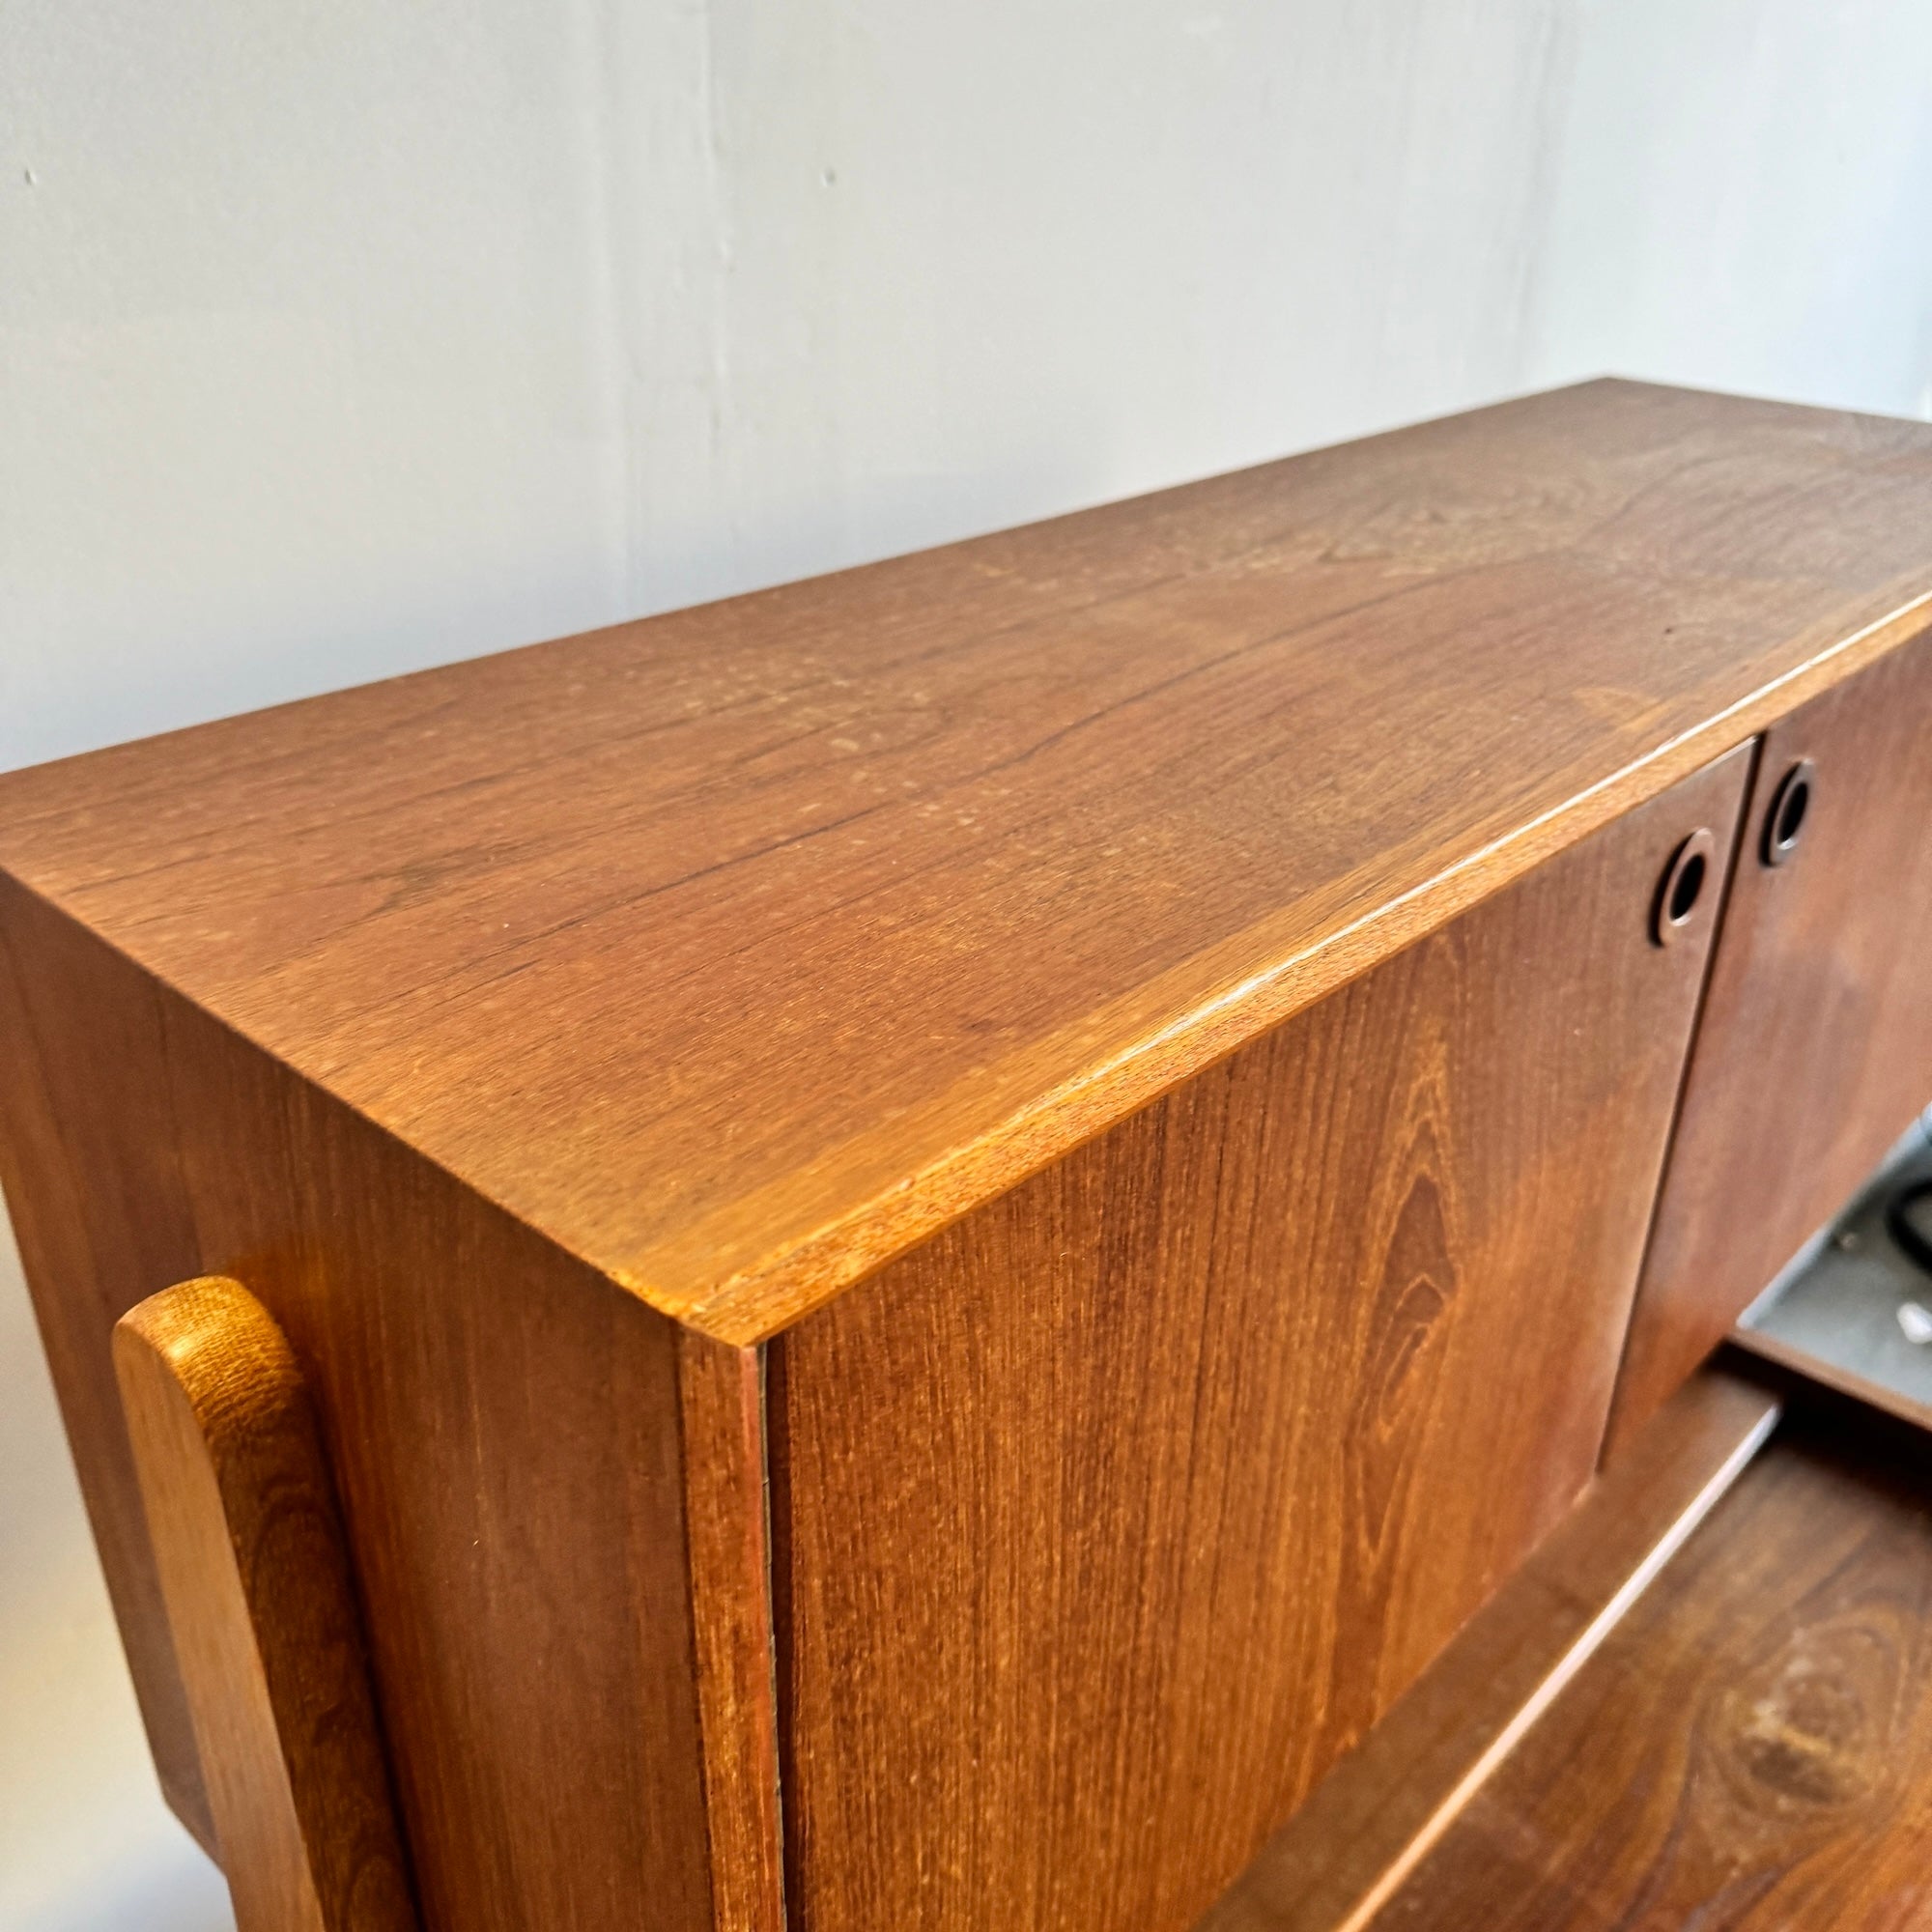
(721, 1406)
(1750, 1751)
(1378, 1813)
(740, 948)
(507, 1431)
(1814, 1051)
(1106, 1522)
(262, 1602)
(89, 1160)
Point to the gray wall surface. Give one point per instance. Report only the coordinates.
(338, 340)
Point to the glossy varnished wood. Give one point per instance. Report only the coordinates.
(534, 1468)
(1814, 1051)
(1108, 1520)
(1378, 1813)
(248, 1542)
(739, 949)
(1751, 1748)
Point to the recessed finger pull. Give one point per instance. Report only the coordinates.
(1685, 886)
(1785, 817)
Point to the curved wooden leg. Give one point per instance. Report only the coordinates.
(255, 1574)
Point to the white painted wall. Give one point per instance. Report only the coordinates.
(1743, 200)
(341, 338)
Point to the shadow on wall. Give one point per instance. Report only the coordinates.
(86, 1843)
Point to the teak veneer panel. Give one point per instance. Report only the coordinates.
(1109, 1518)
(538, 1474)
(1814, 1051)
(1378, 1813)
(1751, 1748)
(738, 950)
(89, 1158)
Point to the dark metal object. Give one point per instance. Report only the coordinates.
(1914, 1242)
(1849, 1309)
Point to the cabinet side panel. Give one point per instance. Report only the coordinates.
(1109, 1518)
(96, 1195)
(505, 1426)
(1815, 1047)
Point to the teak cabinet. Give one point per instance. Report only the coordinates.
(940, 1226)
(1270, 1387)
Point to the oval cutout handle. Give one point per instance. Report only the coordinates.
(255, 1574)
(1785, 816)
(1688, 878)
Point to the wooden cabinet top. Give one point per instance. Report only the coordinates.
(739, 949)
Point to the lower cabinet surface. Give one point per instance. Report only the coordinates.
(1106, 1520)
(1751, 1748)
